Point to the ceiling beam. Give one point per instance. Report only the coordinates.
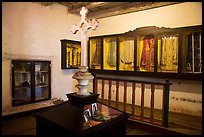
(99, 10)
(127, 8)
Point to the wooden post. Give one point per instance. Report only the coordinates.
(166, 104)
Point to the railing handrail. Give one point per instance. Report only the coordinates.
(119, 78)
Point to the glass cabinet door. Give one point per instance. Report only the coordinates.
(109, 53)
(145, 53)
(126, 55)
(42, 80)
(191, 53)
(21, 82)
(95, 53)
(30, 81)
(167, 53)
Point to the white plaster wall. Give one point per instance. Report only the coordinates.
(177, 15)
(33, 31)
(30, 30)
(185, 96)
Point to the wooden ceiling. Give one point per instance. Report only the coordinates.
(99, 10)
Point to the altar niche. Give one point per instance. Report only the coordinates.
(149, 52)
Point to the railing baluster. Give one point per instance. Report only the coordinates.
(133, 98)
(95, 85)
(109, 92)
(125, 96)
(152, 103)
(117, 93)
(142, 101)
(102, 94)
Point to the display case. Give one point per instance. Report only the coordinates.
(95, 56)
(167, 53)
(145, 52)
(191, 56)
(126, 53)
(109, 53)
(30, 81)
(151, 52)
(88, 119)
(70, 54)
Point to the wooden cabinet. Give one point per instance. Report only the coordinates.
(70, 54)
(30, 81)
(150, 52)
(71, 120)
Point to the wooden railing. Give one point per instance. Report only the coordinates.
(130, 108)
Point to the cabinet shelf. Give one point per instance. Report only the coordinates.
(41, 86)
(22, 72)
(41, 71)
(17, 87)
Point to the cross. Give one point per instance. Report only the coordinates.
(83, 27)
